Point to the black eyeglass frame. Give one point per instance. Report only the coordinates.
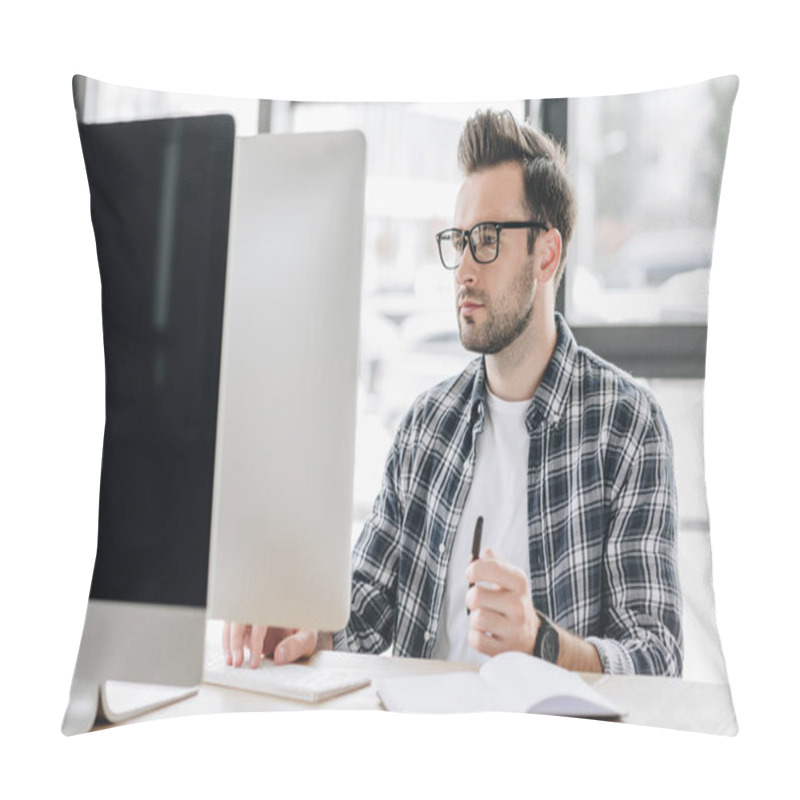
(499, 226)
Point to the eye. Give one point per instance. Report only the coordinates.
(456, 240)
(485, 236)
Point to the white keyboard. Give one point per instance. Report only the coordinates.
(290, 681)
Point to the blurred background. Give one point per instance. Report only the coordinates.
(647, 169)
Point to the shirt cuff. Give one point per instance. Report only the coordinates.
(340, 641)
(613, 656)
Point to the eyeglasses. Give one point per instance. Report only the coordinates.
(483, 238)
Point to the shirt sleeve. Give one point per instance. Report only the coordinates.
(643, 631)
(370, 628)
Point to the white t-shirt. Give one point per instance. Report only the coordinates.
(499, 494)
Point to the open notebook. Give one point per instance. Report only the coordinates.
(507, 682)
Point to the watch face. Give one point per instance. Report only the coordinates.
(550, 645)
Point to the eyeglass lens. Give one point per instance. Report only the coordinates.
(483, 241)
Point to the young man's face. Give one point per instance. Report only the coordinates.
(494, 301)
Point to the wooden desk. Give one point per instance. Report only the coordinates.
(659, 702)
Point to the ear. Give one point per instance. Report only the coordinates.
(547, 253)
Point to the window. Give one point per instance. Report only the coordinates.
(647, 169)
(103, 102)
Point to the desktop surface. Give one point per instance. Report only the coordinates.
(652, 701)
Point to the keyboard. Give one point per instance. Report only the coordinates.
(290, 681)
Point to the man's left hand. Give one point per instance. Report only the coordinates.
(502, 616)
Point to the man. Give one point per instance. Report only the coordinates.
(567, 461)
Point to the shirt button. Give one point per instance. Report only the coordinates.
(441, 548)
(426, 636)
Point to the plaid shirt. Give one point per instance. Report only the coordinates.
(602, 516)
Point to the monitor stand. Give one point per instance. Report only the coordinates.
(158, 649)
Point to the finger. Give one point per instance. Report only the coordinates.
(502, 601)
(490, 570)
(298, 645)
(226, 647)
(483, 643)
(238, 631)
(257, 635)
(274, 637)
(490, 622)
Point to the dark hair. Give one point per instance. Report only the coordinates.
(490, 138)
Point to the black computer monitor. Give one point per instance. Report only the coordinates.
(160, 203)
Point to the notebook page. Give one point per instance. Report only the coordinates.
(448, 693)
(539, 687)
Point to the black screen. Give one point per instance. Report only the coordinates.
(160, 204)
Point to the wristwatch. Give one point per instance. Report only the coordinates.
(546, 645)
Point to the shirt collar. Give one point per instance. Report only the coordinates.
(550, 398)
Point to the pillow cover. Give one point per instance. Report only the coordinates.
(647, 171)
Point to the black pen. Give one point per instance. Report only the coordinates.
(476, 544)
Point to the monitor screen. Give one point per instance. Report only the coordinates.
(160, 194)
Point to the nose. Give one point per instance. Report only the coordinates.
(467, 271)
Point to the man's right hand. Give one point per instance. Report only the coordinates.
(283, 644)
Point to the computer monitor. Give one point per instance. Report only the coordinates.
(283, 492)
(276, 452)
(160, 203)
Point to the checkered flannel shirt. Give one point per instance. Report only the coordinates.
(602, 516)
